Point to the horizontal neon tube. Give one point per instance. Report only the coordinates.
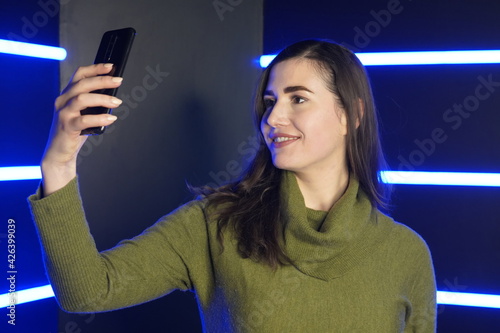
(390, 177)
(26, 295)
(443, 297)
(20, 173)
(468, 299)
(32, 50)
(441, 178)
(418, 58)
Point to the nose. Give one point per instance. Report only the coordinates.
(277, 116)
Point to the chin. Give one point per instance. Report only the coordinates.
(283, 165)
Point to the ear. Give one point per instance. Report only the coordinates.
(361, 107)
(343, 123)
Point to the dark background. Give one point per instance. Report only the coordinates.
(196, 123)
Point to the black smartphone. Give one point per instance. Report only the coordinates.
(114, 48)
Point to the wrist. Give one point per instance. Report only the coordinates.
(56, 175)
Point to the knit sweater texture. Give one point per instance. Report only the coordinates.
(354, 269)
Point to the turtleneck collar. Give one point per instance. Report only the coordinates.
(326, 248)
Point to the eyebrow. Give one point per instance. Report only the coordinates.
(290, 89)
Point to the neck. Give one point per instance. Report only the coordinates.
(322, 191)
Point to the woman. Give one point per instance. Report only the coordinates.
(297, 244)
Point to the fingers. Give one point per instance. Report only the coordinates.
(71, 119)
(78, 124)
(86, 100)
(87, 85)
(89, 71)
(81, 94)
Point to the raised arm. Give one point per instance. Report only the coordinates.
(137, 270)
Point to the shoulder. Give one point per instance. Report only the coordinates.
(408, 257)
(193, 208)
(186, 221)
(403, 238)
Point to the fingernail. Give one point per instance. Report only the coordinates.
(116, 101)
(108, 65)
(111, 117)
(117, 79)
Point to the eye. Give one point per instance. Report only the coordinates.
(269, 102)
(298, 100)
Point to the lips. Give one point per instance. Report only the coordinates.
(280, 140)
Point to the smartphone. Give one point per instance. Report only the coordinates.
(114, 48)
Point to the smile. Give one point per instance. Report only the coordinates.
(283, 138)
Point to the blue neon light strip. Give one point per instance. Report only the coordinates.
(441, 178)
(468, 299)
(26, 295)
(32, 50)
(418, 58)
(390, 177)
(20, 173)
(443, 297)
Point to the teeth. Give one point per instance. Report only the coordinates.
(281, 139)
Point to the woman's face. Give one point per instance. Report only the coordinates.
(304, 126)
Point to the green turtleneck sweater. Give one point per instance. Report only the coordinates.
(355, 269)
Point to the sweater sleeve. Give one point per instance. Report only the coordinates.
(422, 317)
(135, 271)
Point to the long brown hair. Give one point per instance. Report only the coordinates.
(251, 205)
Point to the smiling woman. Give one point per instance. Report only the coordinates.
(320, 158)
(297, 244)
